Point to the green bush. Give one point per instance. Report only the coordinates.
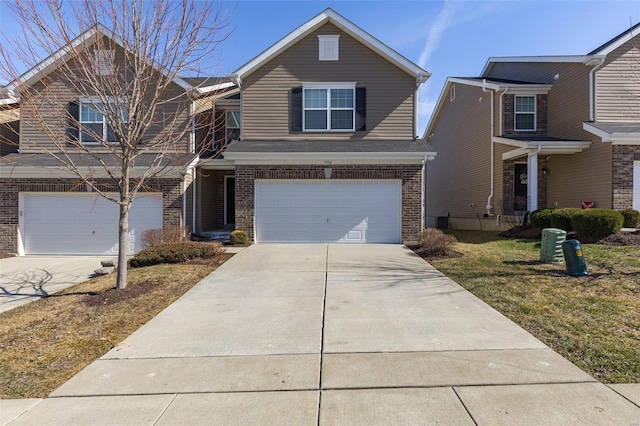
(434, 242)
(561, 218)
(631, 218)
(541, 218)
(238, 237)
(175, 253)
(597, 222)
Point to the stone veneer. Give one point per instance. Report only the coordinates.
(411, 176)
(622, 175)
(10, 188)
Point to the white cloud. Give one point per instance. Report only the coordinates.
(443, 21)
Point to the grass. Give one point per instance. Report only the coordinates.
(593, 321)
(46, 342)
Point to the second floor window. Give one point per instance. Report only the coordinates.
(525, 113)
(233, 126)
(94, 126)
(329, 108)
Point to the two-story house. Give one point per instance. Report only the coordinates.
(535, 132)
(314, 140)
(328, 149)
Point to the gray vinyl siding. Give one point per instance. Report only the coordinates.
(458, 179)
(389, 91)
(618, 85)
(48, 100)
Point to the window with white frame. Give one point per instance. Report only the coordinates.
(525, 113)
(94, 126)
(233, 126)
(329, 108)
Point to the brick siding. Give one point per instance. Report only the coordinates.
(508, 122)
(171, 201)
(508, 185)
(622, 179)
(411, 176)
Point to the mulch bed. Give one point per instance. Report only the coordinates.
(533, 233)
(428, 255)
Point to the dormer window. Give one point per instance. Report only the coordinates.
(328, 47)
(525, 113)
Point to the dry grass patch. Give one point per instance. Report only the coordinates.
(46, 342)
(593, 321)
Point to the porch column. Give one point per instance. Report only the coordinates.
(532, 181)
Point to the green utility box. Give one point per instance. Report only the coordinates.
(574, 258)
(551, 246)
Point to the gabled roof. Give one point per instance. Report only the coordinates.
(617, 41)
(49, 64)
(329, 15)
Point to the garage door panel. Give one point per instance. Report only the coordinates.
(65, 223)
(328, 211)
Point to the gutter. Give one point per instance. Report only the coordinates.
(236, 79)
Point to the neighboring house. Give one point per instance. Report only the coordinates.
(328, 149)
(314, 140)
(535, 132)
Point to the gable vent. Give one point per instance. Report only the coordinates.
(328, 47)
(104, 61)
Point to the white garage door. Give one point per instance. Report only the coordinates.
(328, 211)
(62, 223)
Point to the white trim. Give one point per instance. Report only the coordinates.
(255, 158)
(216, 87)
(635, 201)
(614, 138)
(515, 113)
(625, 37)
(328, 87)
(224, 199)
(452, 93)
(21, 231)
(348, 27)
(216, 164)
(323, 55)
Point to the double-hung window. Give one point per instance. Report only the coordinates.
(94, 126)
(525, 113)
(329, 107)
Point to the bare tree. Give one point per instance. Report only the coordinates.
(122, 60)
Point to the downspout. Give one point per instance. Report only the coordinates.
(592, 89)
(492, 125)
(194, 228)
(422, 195)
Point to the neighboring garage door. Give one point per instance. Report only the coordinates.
(328, 211)
(62, 223)
(636, 185)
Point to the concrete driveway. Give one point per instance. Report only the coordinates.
(331, 335)
(27, 278)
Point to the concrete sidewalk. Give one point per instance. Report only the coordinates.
(332, 334)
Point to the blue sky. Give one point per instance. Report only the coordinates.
(447, 38)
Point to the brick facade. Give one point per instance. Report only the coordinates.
(10, 188)
(508, 185)
(508, 122)
(622, 178)
(411, 176)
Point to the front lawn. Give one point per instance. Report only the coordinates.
(593, 321)
(46, 342)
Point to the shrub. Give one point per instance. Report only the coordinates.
(238, 237)
(597, 222)
(561, 218)
(175, 253)
(170, 234)
(541, 218)
(631, 218)
(434, 242)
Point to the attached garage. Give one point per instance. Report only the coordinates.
(83, 223)
(343, 211)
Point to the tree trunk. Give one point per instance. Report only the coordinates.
(123, 232)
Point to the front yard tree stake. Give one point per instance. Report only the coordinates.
(120, 60)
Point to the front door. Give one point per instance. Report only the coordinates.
(229, 200)
(520, 187)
